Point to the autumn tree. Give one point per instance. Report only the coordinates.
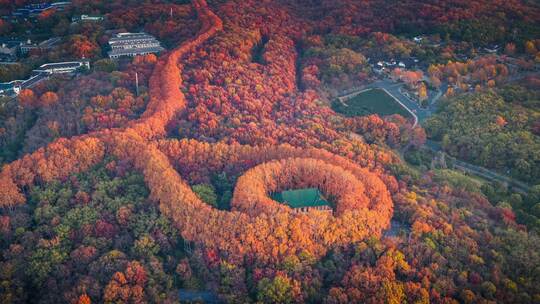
(530, 47)
(128, 286)
(214, 93)
(510, 49)
(27, 98)
(281, 290)
(422, 92)
(435, 81)
(84, 299)
(81, 47)
(48, 99)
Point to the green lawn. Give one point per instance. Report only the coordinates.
(373, 101)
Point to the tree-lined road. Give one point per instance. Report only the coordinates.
(479, 171)
(421, 114)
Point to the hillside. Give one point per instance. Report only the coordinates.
(146, 179)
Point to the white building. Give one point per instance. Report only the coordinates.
(133, 44)
(30, 82)
(13, 88)
(45, 71)
(62, 67)
(61, 5)
(492, 49)
(89, 18)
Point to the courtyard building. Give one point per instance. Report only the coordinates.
(303, 200)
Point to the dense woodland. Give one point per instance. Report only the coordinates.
(109, 194)
(500, 133)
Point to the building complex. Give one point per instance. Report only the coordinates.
(13, 88)
(34, 9)
(133, 44)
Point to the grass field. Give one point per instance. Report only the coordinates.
(373, 101)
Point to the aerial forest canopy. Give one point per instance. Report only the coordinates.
(150, 179)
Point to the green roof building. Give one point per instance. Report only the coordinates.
(303, 200)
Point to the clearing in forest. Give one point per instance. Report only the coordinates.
(371, 101)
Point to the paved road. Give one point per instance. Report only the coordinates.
(479, 171)
(422, 114)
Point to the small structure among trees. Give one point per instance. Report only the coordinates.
(303, 200)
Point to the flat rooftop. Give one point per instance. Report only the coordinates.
(131, 41)
(61, 65)
(135, 51)
(33, 80)
(130, 36)
(298, 198)
(50, 42)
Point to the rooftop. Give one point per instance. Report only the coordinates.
(88, 17)
(307, 197)
(121, 52)
(129, 42)
(33, 80)
(60, 65)
(61, 3)
(32, 9)
(50, 42)
(130, 36)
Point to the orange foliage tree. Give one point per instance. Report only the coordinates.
(364, 207)
(48, 99)
(27, 98)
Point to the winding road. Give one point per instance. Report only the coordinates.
(479, 171)
(421, 114)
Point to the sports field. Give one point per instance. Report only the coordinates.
(372, 101)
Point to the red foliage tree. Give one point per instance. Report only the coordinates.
(84, 299)
(82, 47)
(48, 99)
(27, 98)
